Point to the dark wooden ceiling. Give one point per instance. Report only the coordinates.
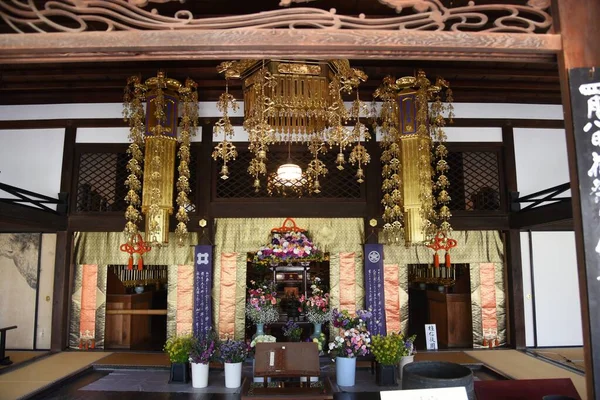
(104, 82)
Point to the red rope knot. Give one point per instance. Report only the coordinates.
(136, 246)
(441, 242)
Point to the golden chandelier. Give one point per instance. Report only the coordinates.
(294, 101)
(154, 138)
(415, 184)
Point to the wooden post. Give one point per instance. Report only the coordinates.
(512, 243)
(204, 182)
(372, 188)
(577, 22)
(64, 248)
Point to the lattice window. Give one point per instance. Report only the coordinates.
(336, 184)
(474, 181)
(101, 182)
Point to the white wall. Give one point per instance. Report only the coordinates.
(541, 159)
(31, 159)
(555, 289)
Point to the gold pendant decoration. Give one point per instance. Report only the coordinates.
(155, 133)
(415, 190)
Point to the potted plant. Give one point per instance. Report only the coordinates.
(292, 331)
(407, 352)
(316, 307)
(201, 354)
(261, 307)
(233, 353)
(353, 340)
(387, 351)
(178, 348)
(260, 339)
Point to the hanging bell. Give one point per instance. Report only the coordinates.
(256, 185)
(224, 172)
(317, 187)
(360, 175)
(340, 160)
(262, 155)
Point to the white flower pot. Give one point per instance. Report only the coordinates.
(403, 361)
(233, 375)
(199, 375)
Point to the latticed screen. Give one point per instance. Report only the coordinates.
(474, 181)
(101, 182)
(336, 184)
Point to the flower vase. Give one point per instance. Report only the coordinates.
(199, 375)
(316, 331)
(179, 373)
(386, 375)
(403, 361)
(233, 375)
(260, 330)
(345, 371)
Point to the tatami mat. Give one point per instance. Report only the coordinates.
(458, 357)
(517, 365)
(569, 356)
(32, 377)
(19, 356)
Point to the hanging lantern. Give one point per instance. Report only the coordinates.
(156, 136)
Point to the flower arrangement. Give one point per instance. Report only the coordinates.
(320, 341)
(353, 339)
(292, 331)
(262, 301)
(288, 247)
(387, 349)
(316, 307)
(233, 351)
(178, 348)
(203, 348)
(343, 319)
(408, 345)
(262, 339)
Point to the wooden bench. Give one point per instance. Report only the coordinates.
(3, 359)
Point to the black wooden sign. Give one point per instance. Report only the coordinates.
(584, 86)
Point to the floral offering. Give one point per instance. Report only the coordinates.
(203, 348)
(316, 307)
(288, 247)
(387, 349)
(178, 348)
(353, 339)
(262, 339)
(408, 345)
(262, 303)
(233, 351)
(343, 319)
(292, 331)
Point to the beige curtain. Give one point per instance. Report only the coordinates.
(244, 235)
(474, 248)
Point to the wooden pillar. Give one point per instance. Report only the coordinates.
(372, 188)
(64, 249)
(512, 244)
(205, 184)
(577, 22)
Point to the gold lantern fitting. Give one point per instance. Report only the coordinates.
(415, 190)
(294, 101)
(170, 118)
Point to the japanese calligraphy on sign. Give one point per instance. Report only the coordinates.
(202, 289)
(431, 336)
(374, 291)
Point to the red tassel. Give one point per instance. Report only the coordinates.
(436, 260)
(140, 263)
(447, 260)
(93, 344)
(485, 342)
(130, 265)
(80, 344)
(497, 342)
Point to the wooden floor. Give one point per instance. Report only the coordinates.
(38, 374)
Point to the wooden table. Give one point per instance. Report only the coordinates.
(3, 359)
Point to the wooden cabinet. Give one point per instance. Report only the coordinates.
(128, 331)
(451, 313)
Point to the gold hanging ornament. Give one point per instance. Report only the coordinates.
(157, 142)
(297, 101)
(415, 194)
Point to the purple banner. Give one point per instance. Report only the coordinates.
(374, 294)
(203, 257)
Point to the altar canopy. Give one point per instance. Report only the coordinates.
(342, 238)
